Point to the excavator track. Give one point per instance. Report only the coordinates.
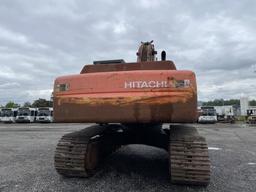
(79, 153)
(189, 159)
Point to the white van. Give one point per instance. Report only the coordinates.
(44, 115)
(208, 115)
(26, 115)
(8, 115)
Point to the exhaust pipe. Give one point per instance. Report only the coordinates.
(163, 56)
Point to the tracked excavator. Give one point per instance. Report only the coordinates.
(129, 103)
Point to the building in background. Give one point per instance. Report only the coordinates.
(251, 115)
(244, 105)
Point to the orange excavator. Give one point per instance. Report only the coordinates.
(129, 102)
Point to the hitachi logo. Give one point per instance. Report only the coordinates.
(156, 84)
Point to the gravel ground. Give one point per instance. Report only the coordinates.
(27, 150)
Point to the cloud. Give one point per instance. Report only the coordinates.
(40, 40)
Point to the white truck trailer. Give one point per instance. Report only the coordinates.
(225, 113)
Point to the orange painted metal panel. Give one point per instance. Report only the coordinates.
(127, 96)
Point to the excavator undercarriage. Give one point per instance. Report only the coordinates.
(78, 154)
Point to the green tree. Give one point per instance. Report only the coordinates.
(42, 103)
(252, 103)
(11, 104)
(220, 102)
(27, 104)
(215, 102)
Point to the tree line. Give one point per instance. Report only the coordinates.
(37, 103)
(221, 102)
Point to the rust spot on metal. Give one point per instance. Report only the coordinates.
(152, 107)
(164, 98)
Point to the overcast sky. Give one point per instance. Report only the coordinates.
(43, 39)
